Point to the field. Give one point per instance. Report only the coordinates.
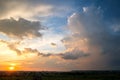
(73, 75)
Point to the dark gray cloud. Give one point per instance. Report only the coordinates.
(73, 55)
(20, 28)
(53, 44)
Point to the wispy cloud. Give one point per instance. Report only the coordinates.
(32, 9)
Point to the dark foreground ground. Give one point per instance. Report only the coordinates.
(73, 75)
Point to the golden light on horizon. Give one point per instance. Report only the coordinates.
(12, 66)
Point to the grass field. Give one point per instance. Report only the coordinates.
(73, 75)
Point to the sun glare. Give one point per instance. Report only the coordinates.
(11, 68)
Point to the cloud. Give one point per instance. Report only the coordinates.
(32, 9)
(15, 46)
(74, 55)
(54, 44)
(90, 33)
(17, 8)
(20, 28)
(12, 46)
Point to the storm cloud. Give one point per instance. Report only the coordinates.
(91, 34)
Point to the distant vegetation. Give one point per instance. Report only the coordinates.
(73, 75)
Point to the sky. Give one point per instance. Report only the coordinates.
(64, 35)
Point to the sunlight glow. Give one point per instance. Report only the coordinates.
(11, 68)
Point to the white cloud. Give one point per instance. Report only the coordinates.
(85, 9)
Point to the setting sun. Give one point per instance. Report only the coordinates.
(11, 68)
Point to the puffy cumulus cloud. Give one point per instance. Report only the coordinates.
(90, 34)
(75, 48)
(20, 28)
